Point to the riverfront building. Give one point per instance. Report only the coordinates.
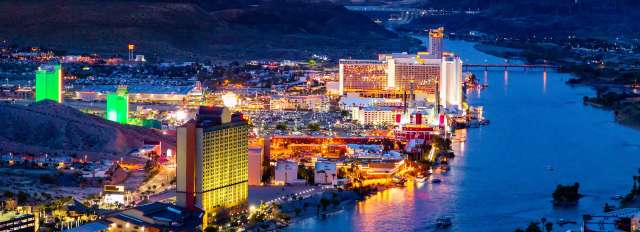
(212, 161)
(155, 216)
(435, 42)
(425, 76)
(450, 89)
(286, 172)
(118, 106)
(49, 83)
(325, 172)
(390, 76)
(14, 221)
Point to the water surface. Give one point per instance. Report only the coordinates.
(500, 178)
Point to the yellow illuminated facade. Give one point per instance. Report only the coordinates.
(423, 77)
(225, 172)
(212, 161)
(391, 74)
(362, 76)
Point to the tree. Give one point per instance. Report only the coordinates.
(22, 197)
(566, 194)
(345, 114)
(313, 127)
(281, 127)
(324, 203)
(211, 229)
(548, 226)
(608, 208)
(222, 217)
(533, 227)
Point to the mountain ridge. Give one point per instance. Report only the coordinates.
(194, 29)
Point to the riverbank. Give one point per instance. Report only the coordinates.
(322, 204)
(613, 78)
(629, 116)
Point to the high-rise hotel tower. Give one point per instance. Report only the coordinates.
(435, 42)
(425, 74)
(212, 161)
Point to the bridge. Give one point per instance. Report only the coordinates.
(507, 66)
(397, 15)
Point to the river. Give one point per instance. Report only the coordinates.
(500, 179)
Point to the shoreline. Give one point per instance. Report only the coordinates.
(628, 116)
(346, 198)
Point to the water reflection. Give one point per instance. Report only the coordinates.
(499, 180)
(486, 75)
(506, 80)
(544, 81)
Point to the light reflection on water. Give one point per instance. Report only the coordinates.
(499, 179)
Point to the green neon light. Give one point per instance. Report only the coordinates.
(118, 106)
(49, 83)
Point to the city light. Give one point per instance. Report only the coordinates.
(181, 115)
(230, 100)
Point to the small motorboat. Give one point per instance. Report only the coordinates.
(420, 178)
(444, 167)
(398, 180)
(443, 222)
(436, 181)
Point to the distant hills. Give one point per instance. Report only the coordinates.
(596, 18)
(216, 29)
(54, 128)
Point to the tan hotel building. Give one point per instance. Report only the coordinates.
(212, 161)
(391, 75)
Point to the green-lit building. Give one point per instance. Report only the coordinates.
(118, 105)
(49, 83)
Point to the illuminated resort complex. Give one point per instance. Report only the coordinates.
(394, 75)
(49, 83)
(118, 106)
(212, 162)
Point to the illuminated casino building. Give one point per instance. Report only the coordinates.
(451, 82)
(435, 42)
(212, 161)
(118, 106)
(363, 76)
(389, 76)
(49, 83)
(394, 75)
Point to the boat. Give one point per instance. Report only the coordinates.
(443, 222)
(474, 124)
(549, 167)
(562, 221)
(398, 180)
(436, 181)
(420, 178)
(617, 197)
(444, 167)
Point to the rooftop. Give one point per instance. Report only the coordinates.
(142, 89)
(160, 215)
(6, 216)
